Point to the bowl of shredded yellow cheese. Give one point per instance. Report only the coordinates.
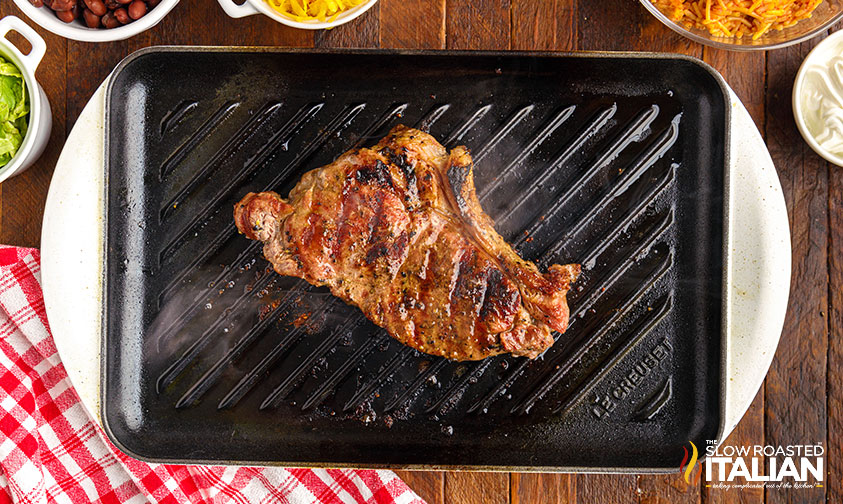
(305, 14)
(747, 24)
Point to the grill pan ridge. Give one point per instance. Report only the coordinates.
(616, 162)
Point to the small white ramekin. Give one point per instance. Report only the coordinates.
(77, 30)
(821, 55)
(251, 7)
(40, 119)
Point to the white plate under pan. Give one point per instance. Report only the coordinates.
(72, 258)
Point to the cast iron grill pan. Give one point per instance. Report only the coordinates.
(613, 162)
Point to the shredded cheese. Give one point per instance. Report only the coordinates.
(311, 10)
(734, 18)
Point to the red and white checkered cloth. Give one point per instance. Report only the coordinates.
(52, 451)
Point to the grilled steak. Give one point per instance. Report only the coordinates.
(397, 230)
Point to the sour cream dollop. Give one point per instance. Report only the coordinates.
(822, 104)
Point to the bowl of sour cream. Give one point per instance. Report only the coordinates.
(818, 99)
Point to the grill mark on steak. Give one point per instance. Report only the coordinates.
(499, 303)
(377, 173)
(457, 176)
(398, 231)
(411, 192)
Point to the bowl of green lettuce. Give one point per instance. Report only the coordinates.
(14, 111)
(25, 117)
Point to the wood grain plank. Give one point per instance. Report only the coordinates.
(412, 25)
(528, 488)
(667, 489)
(23, 196)
(834, 447)
(544, 25)
(746, 74)
(621, 25)
(429, 485)
(214, 27)
(476, 488)
(200, 22)
(362, 32)
(614, 488)
(478, 25)
(796, 384)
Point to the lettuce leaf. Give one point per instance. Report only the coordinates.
(14, 107)
(10, 140)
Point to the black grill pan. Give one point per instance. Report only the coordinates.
(613, 161)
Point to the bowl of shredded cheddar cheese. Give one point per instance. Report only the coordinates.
(304, 14)
(746, 25)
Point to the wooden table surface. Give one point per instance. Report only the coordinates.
(802, 398)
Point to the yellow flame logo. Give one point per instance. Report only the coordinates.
(693, 462)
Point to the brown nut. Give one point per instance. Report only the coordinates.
(77, 11)
(122, 15)
(112, 4)
(109, 21)
(37, 3)
(66, 16)
(137, 9)
(124, 2)
(152, 3)
(96, 6)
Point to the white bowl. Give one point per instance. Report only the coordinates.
(40, 119)
(46, 18)
(809, 82)
(251, 7)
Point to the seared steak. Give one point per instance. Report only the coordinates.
(397, 230)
